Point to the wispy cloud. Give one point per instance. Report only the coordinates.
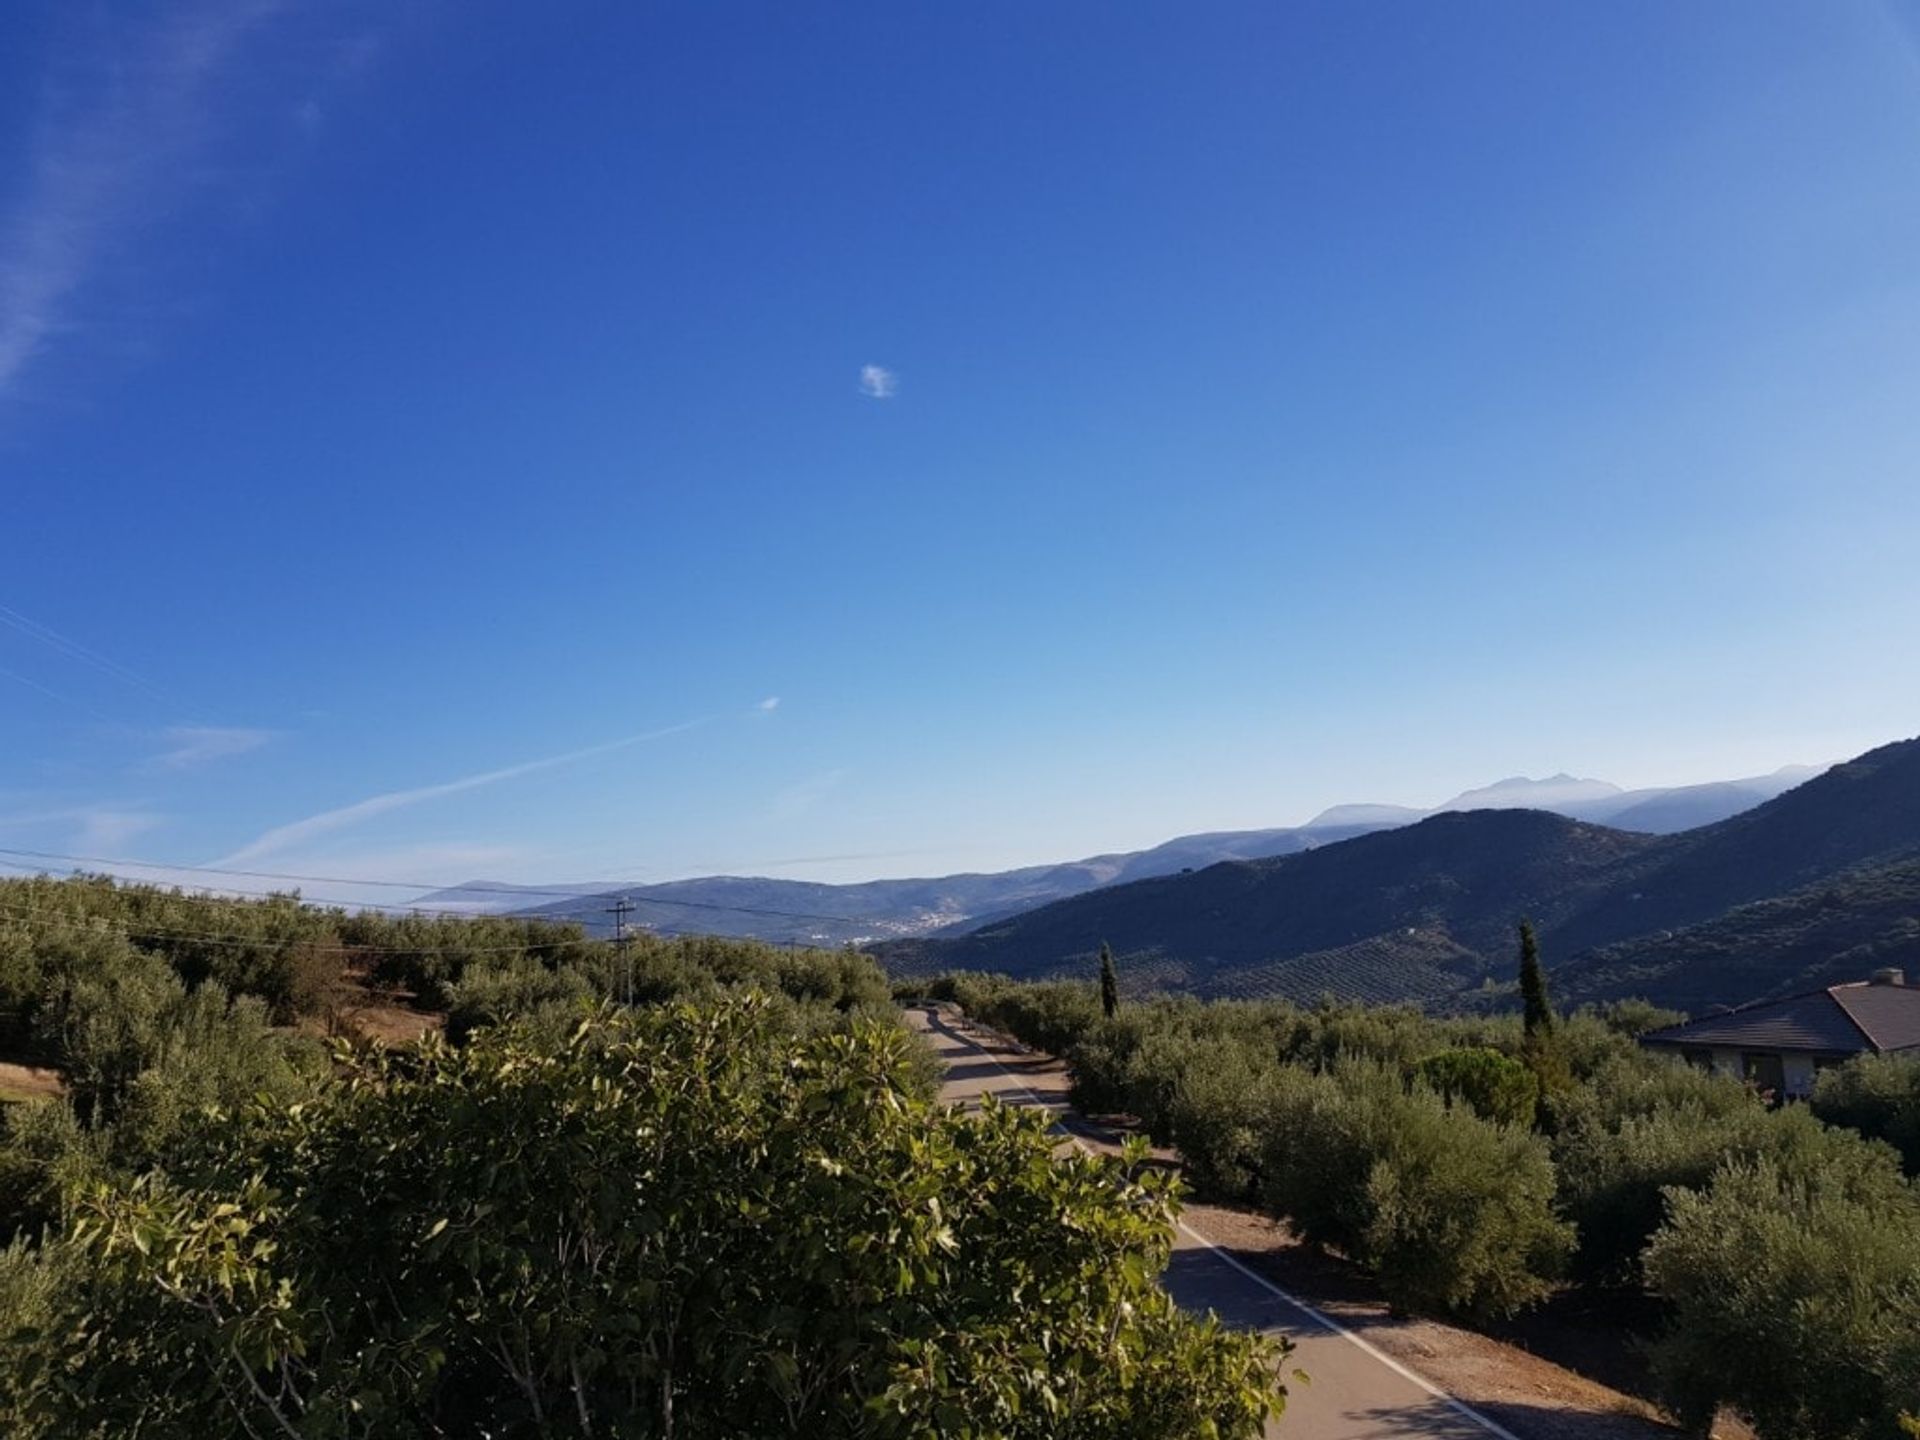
(90, 830)
(282, 838)
(878, 383)
(797, 799)
(768, 705)
(102, 832)
(136, 116)
(190, 746)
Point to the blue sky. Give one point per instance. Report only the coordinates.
(630, 441)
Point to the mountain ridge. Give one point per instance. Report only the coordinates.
(1442, 896)
(822, 913)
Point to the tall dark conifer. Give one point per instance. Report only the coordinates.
(1533, 986)
(1109, 983)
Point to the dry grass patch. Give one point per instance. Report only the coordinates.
(29, 1082)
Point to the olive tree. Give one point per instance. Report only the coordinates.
(686, 1222)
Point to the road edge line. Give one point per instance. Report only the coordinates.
(1313, 1313)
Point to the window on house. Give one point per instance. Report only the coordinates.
(1764, 1071)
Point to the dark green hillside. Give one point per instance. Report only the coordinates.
(1460, 880)
(1838, 929)
(1425, 913)
(1866, 811)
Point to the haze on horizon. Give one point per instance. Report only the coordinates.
(439, 442)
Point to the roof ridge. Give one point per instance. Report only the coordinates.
(1847, 1010)
(1729, 1011)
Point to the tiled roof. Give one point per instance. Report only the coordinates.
(1890, 1014)
(1815, 1021)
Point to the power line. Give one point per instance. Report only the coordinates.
(74, 650)
(645, 898)
(235, 892)
(134, 930)
(620, 909)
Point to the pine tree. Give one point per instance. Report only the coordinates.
(1533, 986)
(1109, 982)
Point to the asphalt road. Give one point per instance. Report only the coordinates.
(1355, 1392)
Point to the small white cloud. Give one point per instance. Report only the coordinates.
(877, 382)
(194, 745)
(771, 703)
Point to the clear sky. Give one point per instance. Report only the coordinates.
(611, 440)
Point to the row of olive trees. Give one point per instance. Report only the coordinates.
(558, 1220)
(1477, 1164)
(289, 954)
(684, 1221)
(145, 1046)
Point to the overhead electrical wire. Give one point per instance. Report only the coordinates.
(513, 890)
(134, 930)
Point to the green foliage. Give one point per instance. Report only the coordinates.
(1539, 1016)
(1644, 1131)
(518, 988)
(1795, 1299)
(1109, 983)
(1217, 1113)
(46, 1155)
(1317, 1116)
(1880, 1097)
(1050, 1015)
(1451, 1212)
(1337, 1118)
(1631, 1017)
(702, 1225)
(1495, 1087)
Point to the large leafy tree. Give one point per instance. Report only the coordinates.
(682, 1223)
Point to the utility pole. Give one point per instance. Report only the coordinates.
(620, 910)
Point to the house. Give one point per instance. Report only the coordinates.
(1781, 1045)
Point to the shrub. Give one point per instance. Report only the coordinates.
(521, 987)
(46, 1156)
(1495, 1087)
(1216, 1115)
(1050, 1016)
(1671, 1128)
(1794, 1300)
(1880, 1097)
(1451, 1212)
(1632, 1018)
(699, 1216)
(1222, 1108)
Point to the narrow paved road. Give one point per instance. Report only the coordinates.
(1356, 1393)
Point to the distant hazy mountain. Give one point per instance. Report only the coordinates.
(1557, 793)
(784, 910)
(1660, 811)
(1445, 892)
(1667, 812)
(486, 897)
(1814, 885)
(1380, 816)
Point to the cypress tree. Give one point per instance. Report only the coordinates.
(1533, 985)
(1109, 983)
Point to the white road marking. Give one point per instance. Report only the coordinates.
(1492, 1427)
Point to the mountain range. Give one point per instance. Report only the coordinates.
(816, 913)
(1819, 883)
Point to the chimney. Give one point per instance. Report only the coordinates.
(1888, 977)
